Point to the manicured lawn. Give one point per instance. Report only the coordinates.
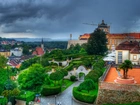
(66, 83)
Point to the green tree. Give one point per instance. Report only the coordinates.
(56, 76)
(3, 61)
(86, 85)
(125, 66)
(32, 78)
(45, 62)
(97, 43)
(3, 79)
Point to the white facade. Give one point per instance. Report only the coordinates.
(16, 52)
(126, 55)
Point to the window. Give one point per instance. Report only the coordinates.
(134, 57)
(119, 57)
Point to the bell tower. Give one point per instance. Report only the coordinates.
(42, 44)
(104, 27)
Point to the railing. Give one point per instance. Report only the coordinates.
(102, 78)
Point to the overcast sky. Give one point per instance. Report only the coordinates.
(57, 19)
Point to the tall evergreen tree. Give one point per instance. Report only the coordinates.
(97, 43)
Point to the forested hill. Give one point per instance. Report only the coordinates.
(50, 44)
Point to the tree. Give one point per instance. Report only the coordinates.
(56, 76)
(45, 62)
(86, 85)
(3, 61)
(32, 78)
(97, 43)
(125, 66)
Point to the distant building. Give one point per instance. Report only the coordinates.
(16, 52)
(128, 50)
(84, 38)
(15, 61)
(39, 51)
(4, 53)
(114, 39)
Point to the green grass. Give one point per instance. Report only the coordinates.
(66, 83)
(92, 92)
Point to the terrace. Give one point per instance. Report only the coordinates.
(115, 93)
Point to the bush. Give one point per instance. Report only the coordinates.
(29, 96)
(3, 101)
(87, 85)
(88, 98)
(72, 78)
(48, 90)
(92, 75)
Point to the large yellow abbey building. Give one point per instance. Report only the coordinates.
(114, 39)
(5, 53)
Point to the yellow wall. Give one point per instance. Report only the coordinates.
(6, 54)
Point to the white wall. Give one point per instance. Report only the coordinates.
(125, 55)
(134, 61)
(16, 51)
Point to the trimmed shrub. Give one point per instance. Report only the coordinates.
(29, 96)
(88, 98)
(48, 90)
(86, 85)
(73, 78)
(92, 75)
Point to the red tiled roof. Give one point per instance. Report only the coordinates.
(132, 46)
(38, 51)
(131, 35)
(84, 37)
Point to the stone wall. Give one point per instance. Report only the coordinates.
(74, 42)
(113, 93)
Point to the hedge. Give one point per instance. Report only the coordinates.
(29, 96)
(84, 97)
(49, 90)
(69, 68)
(73, 78)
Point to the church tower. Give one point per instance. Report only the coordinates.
(104, 27)
(42, 44)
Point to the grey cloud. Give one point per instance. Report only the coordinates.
(66, 16)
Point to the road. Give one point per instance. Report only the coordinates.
(65, 98)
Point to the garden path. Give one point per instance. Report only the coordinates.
(65, 97)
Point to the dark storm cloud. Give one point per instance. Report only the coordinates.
(63, 17)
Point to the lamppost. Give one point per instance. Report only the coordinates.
(55, 99)
(40, 98)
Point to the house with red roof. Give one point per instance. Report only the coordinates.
(128, 50)
(39, 51)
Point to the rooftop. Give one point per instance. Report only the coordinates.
(112, 74)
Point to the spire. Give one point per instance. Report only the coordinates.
(42, 44)
(42, 41)
(102, 21)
